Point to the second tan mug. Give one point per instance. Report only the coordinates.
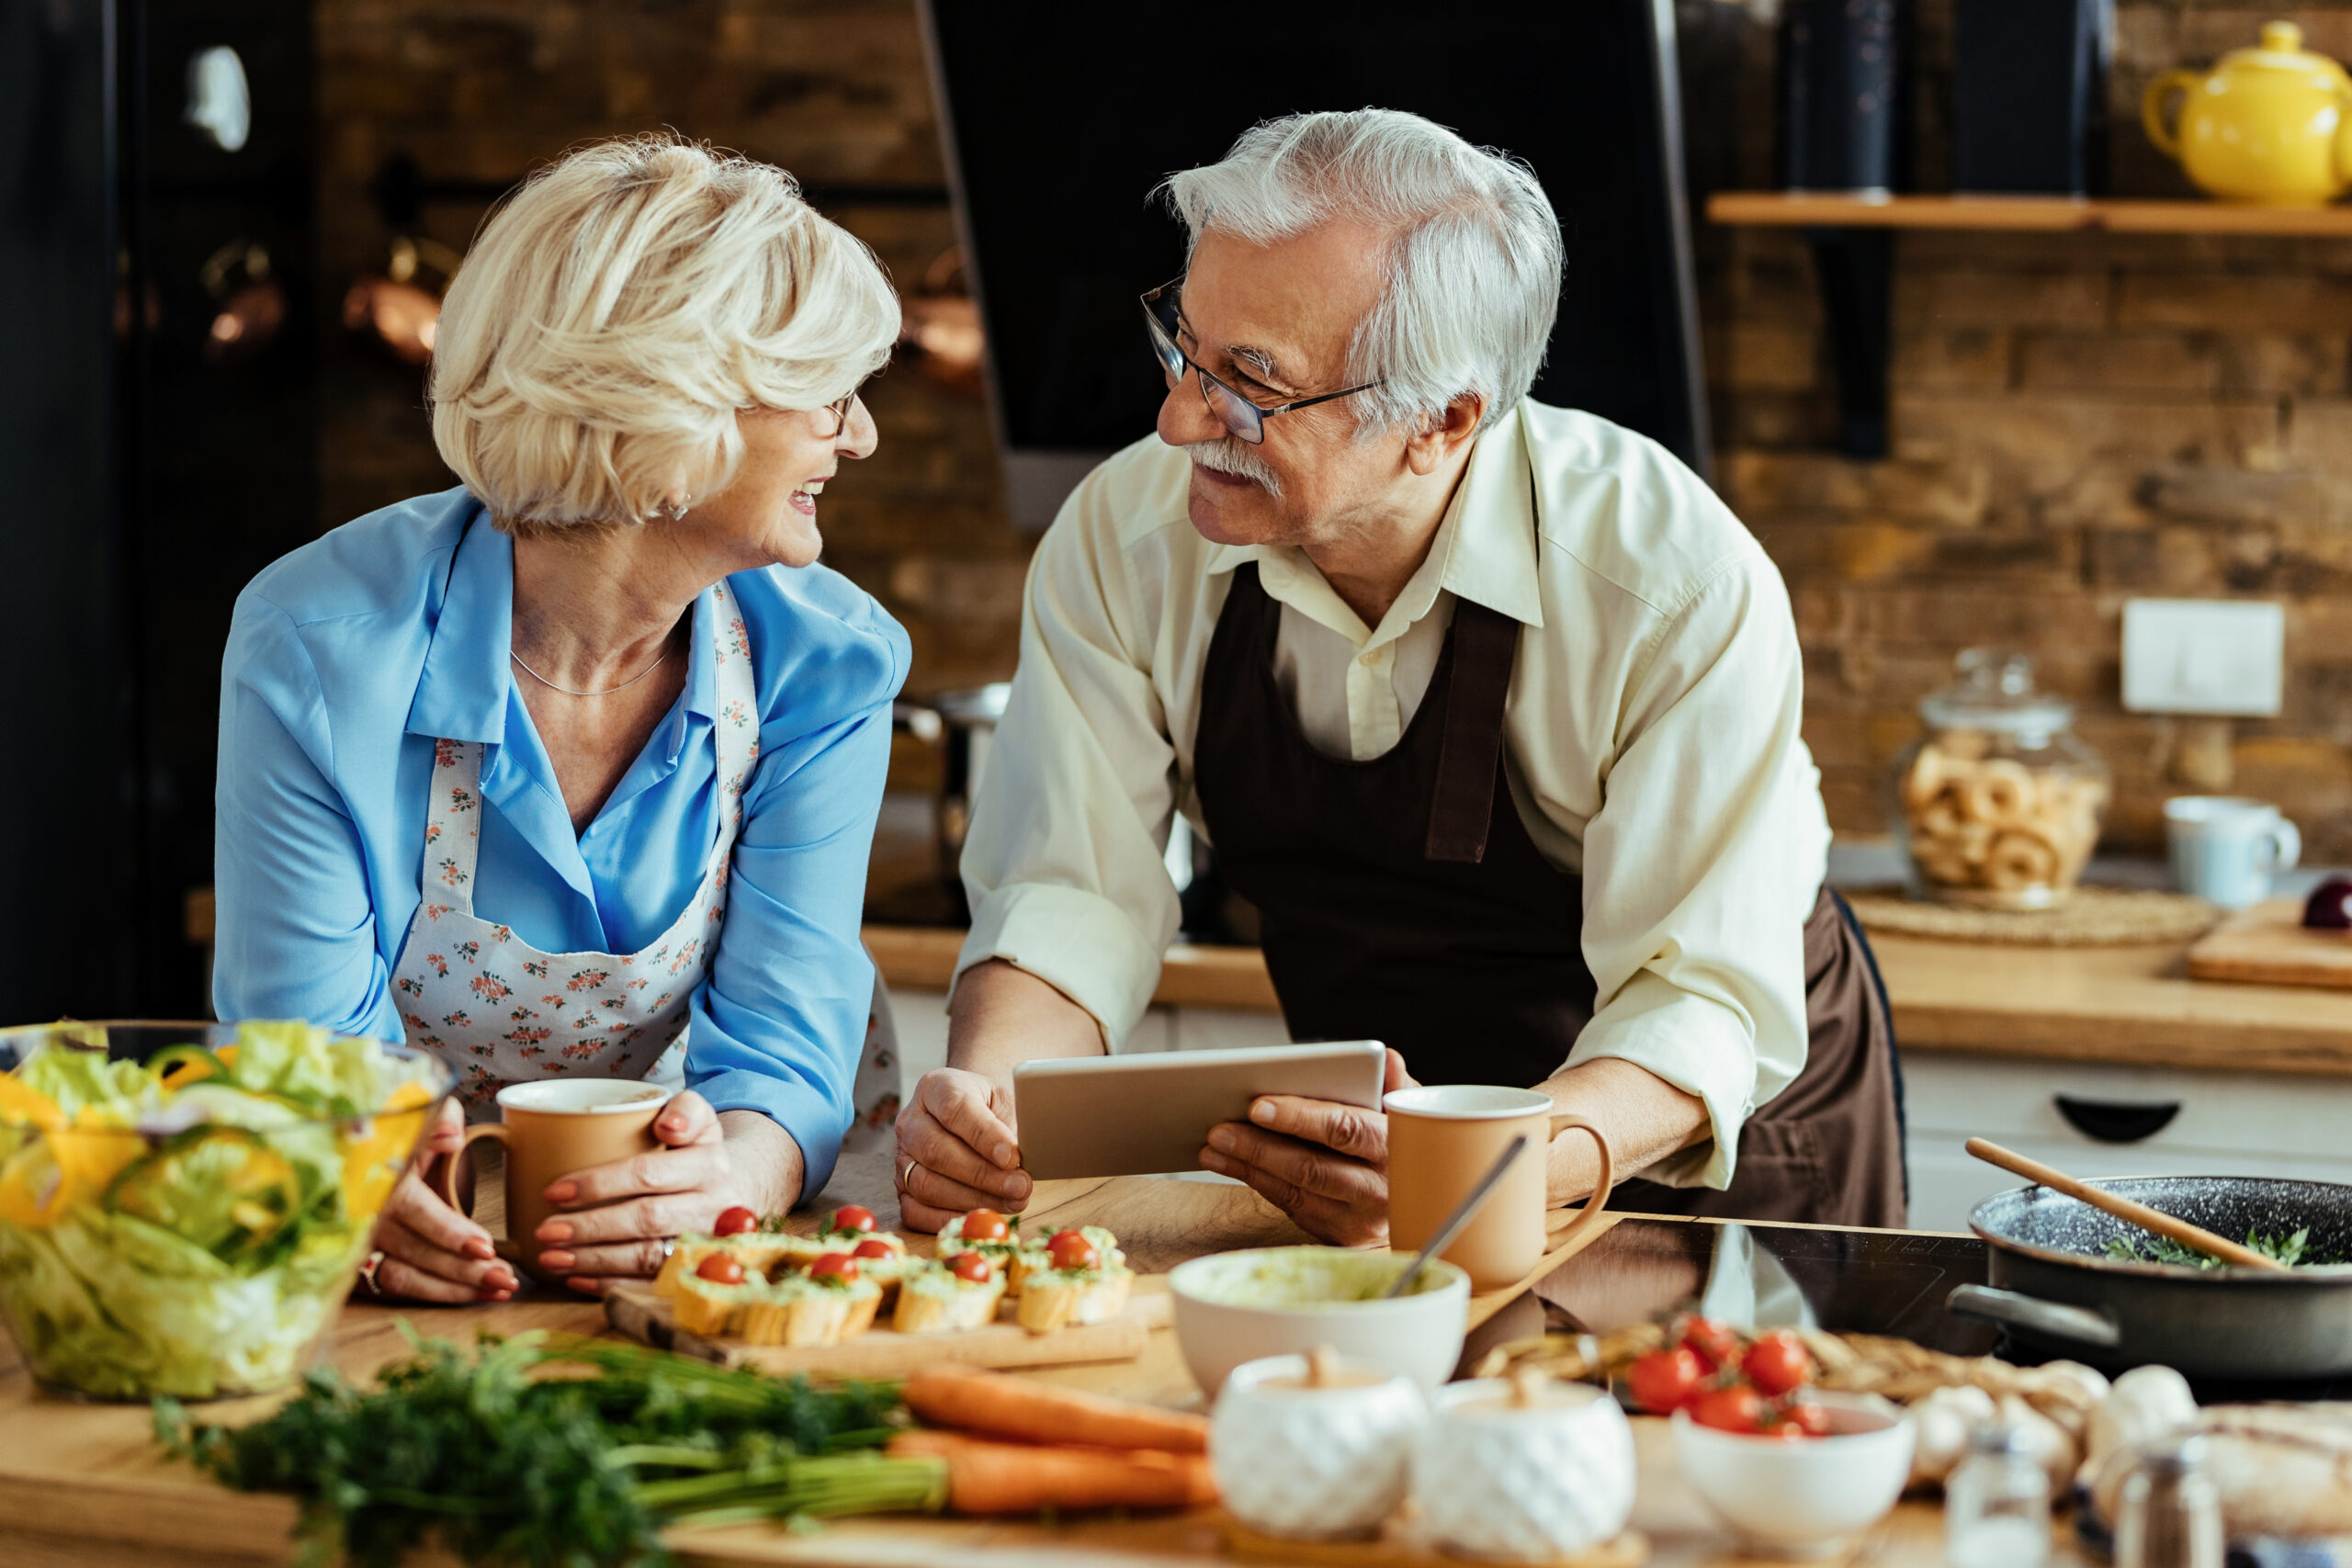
(551, 1128)
(1443, 1138)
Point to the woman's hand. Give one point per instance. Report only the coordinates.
(619, 1215)
(432, 1253)
(1323, 1163)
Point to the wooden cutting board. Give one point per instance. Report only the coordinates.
(883, 1352)
(2267, 944)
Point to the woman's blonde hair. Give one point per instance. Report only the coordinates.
(614, 315)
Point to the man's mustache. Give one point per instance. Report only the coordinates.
(1229, 454)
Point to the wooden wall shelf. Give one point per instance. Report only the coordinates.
(1772, 208)
(1853, 244)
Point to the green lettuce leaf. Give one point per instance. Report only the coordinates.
(81, 1079)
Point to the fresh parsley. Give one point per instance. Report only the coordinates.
(536, 1452)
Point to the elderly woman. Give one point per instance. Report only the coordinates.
(573, 770)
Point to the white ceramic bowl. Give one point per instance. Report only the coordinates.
(1313, 1464)
(1532, 1484)
(1802, 1497)
(1417, 1336)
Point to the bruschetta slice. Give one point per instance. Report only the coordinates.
(1081, 1280)
(824, 1306)
(958, 1292)
(759, 1253)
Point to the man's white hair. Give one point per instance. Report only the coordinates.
(614, 317)
(1473, 252)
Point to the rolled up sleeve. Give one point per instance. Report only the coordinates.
(1704, 862)
(1064, 862)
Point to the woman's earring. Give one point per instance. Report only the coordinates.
(676, 511)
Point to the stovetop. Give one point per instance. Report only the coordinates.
(1764, 1276)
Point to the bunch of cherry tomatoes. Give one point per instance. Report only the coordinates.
(1754, 1387)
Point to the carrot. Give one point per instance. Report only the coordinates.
(985, 1477)
(971, 1400)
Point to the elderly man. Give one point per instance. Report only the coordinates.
(1490, 708)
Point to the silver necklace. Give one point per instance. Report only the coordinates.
(567, 691)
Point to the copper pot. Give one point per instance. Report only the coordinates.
(396, 311)
(252, 304)
(939, 325)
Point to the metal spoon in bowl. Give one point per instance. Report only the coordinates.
(1456, 1220)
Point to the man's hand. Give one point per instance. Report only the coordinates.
(1323, 1163)
(957, 1150)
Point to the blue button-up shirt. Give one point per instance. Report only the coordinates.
(348, 657)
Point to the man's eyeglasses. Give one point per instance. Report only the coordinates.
(1244, 419)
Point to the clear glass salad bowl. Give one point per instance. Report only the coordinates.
(183, 1206)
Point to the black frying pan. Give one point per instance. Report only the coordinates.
(2053, 1287)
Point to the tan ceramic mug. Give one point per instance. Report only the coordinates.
(1443, 1138)
(552, 1128)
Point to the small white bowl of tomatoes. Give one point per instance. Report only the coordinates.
(1795, 1472)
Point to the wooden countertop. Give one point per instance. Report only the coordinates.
(2132, 1006)
(84, 1484)
(922, 958)
(2129, 1005)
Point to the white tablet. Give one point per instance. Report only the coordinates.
(1147, 1114)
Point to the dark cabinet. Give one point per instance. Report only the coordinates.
(157, 427)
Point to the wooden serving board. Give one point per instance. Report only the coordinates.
(883, 1352)
(2267, 944)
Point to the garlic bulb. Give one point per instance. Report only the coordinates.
(1942, 1422)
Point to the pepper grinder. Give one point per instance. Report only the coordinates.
(2170, 1515)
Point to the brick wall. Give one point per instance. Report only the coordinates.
(2076, 419)
(479, 92)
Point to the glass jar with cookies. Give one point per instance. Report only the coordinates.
(1998, 804)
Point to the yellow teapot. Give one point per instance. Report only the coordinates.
(2267, 125)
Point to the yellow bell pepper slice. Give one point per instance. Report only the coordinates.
(25, 1106)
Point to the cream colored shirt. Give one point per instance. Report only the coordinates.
(1651, 738)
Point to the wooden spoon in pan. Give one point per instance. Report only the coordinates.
(2140, 1214)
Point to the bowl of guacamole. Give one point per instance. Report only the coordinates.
(1233, 1307)
(184, 1207)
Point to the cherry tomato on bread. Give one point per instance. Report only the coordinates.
(874, 1246)
(985, 1225)
(719, 1269)
(1778, 1363)
(738, 1221)
(1070, 1249)
(1736, 1407)
(1665, 1381)
(834, 1266)
(971, 1268)
(851, 1217)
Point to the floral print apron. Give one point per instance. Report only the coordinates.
(499, 1011)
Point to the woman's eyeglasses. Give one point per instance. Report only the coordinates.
(840, 410)
(1244, 419)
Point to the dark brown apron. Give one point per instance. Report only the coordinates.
(1401, 898)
